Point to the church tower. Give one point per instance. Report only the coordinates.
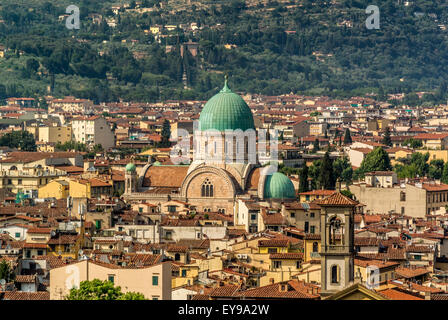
(337, 243)
(130, 179)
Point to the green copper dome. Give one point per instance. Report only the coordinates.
(278, 186)
(130, 167)
(226, 110)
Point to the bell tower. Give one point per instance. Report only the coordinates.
(130, 179)
(337, 243)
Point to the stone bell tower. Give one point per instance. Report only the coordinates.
(337, 243)
(130, 179)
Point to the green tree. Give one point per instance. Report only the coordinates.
(386, 138)
(101, 290)
(326, 176)
(343, 170)
(303, 179)
(316, 145)
(97, 148)
(444, 177)
(6, 272)
(32, 65)
(22, 140)
(417, 165)
(166, 133)
(377, 160)
(347, 193)
(413, 143)
(347, 137)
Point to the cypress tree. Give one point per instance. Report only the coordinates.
(316, 145)
(386, 138)
(444, 177)
(347, 137)
(303, 179)
(326, 176)
(166, 133)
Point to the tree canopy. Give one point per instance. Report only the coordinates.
(101, 290)
(6, 272)
(377, 160)
(22, 140)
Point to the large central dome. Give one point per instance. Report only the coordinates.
(226, 111)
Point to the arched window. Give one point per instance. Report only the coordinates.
(335, 230)
(13, 168)
(315, 247)
(334, 274)
(177, 257)
(207, 189)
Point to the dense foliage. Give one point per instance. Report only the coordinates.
(101, 290)
(377, 160)
(6, 273)
(22, 140)
(311, 47)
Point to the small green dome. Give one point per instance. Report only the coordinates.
(226, 110)
(130, 167)
(278, 186)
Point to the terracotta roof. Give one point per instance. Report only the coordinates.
(338, 199)
(377, 263)
(26, 157)
(156, 176)
(35, 245)
(318, 193)
(142, 259)
(194, 244)
(273, 243)
(293, 289)
(442, 296)
(25, 278)
(396, 294)
(39, 230)
(224, 291)
(98, 183)
(253, 179)
(176, 248)
(286, 256)
(379, 173)
(21, 295)
(430, 136)
(435, 187)
(64, 239)
(411, 272)
(419, 249)
(273, 218)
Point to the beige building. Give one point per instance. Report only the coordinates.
(436, 141)
(71, 104)
(92, 131)
(154, 282)
(55, 134)
(415, 200)
(382, 179)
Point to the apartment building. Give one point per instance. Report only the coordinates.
(55, 134)
(154, 282)
(92, 131)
